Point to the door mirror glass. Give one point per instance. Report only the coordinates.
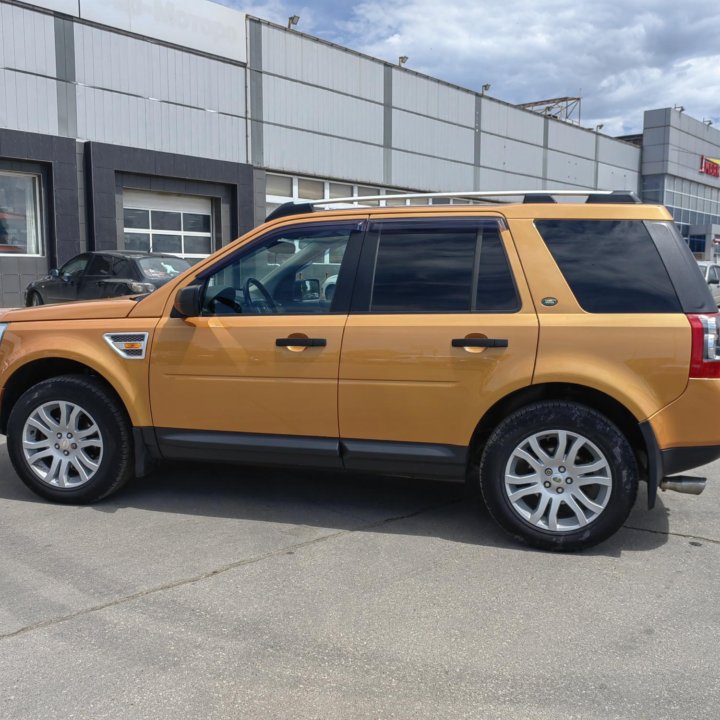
(306, 290)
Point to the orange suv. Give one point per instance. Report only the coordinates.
(556, 353)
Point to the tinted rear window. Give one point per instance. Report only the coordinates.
(612, 266)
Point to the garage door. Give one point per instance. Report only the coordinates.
(162, 222)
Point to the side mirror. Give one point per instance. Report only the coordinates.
(54, 273)
(306, 290)
(188, 301)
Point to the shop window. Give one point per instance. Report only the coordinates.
(20, 214)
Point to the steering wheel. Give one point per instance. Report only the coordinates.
(263, 291)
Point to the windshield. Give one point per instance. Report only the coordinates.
(162, 268)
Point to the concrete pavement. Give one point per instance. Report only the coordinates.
(216, 592)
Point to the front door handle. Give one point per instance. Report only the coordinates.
(300, 342)
(475, 342)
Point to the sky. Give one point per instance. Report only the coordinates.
(621, 57)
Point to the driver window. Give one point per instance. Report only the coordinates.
(289, 271)
(75, 266)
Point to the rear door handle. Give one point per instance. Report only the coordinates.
(300, 342)
(479, 342)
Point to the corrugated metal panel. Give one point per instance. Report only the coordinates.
(615, 178)
(569, 139)
(418, 171)
(125, 120)
(432, 98)
(432, 137)
(205, 26)
(29, 103)
(618, 153)
(308, 108)
(510, 156)
(511, 122)
(498, 180)
(27, 40)
(291, 55)
(570, 169)
(307, 153)
(116, 62)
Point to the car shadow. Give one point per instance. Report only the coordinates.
(338, 501)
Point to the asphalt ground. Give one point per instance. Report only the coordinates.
(219, 592)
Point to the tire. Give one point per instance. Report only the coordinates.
(558, 476)
(34, 299)
(69, 440)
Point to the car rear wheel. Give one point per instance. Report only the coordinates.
(559, 476)
(69, 440)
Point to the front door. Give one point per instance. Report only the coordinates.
(254, 377)
(442, 327)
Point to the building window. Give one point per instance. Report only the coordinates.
(165, 223)
(20, 232)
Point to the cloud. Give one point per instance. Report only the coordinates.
(622, 57)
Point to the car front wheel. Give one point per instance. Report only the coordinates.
(559, 476)
(69, 440)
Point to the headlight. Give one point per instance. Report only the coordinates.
(3, 328)
(139, 287)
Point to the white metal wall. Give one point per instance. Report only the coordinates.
(28, 94)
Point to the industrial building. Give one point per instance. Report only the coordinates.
(176, 126)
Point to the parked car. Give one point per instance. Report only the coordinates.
(711, 274)
(94, 275)
(510, 345)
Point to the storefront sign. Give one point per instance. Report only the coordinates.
(710, 166)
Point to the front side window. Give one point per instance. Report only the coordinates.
(612, 266)
(20, 214)
(445, 268)
(74, 267)
(289, 271)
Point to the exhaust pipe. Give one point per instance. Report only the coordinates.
(683, 484)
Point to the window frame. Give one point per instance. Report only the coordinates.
(346, 274)
(362, 296)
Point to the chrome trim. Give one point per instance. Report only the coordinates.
(117, 339)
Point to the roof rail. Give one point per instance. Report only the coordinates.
(490, 196)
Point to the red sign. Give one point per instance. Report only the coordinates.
(710, 166)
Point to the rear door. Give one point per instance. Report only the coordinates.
(441, 327)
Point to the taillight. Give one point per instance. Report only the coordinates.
(704, 359)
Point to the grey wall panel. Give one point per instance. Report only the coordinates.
(124, 64)
(432, 137)
(611, 177)
(309, 108)
(426, 173)
(498, 180)
(569, 139)
(136, 122)
(510, 155)
(505, 120)
(616, 152)
(27, 40)
(29, 103)
(292, 55)
(306, 153)
(432, 98)
(569, 169)
(205, 26)
(656, 118)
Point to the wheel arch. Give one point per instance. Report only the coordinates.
(611, 408)
(36, 371)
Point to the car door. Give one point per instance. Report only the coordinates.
(254, 376)
(441, 327)
(92, 284)
(64, 288)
